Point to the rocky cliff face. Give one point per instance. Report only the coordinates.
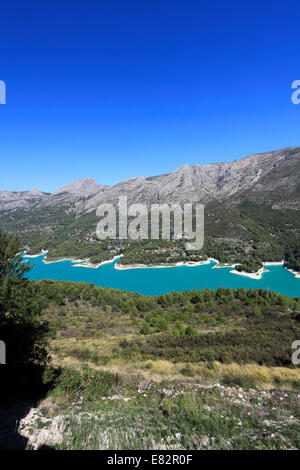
(271, 177)
(10, 201)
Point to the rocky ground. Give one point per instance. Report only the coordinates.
(186, 416)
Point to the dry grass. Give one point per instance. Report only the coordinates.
(98, 354)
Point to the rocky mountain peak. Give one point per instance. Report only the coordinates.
(82, 187)
(260, 176)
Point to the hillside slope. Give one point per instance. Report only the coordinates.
(272, 176)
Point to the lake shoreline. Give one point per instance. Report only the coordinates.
(257, 275)
(161, 281)
(43, 252)
(81, 263)
(295, 273)
(124, 267)
(88, 264)
(85, 263)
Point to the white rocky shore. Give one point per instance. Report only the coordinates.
(257, 275)
(274, 263)
(43, 252)
(122, 267)
(85, 263)
(81, 263)
(219, 265)
(296, 273)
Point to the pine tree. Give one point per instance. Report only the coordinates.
(21, 328)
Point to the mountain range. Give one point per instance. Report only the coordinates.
(267, 177)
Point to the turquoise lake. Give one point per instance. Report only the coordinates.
(156, 281)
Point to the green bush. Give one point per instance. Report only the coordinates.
(93, 384)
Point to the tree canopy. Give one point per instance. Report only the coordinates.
(21, 329)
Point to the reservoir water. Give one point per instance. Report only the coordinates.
(156, 281)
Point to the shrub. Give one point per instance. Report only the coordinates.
(88, 382)
(190, 331)
(187, 371)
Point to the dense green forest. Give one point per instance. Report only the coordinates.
(225, 324)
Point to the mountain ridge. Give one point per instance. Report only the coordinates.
(196, 183)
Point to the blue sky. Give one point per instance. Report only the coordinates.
(118, 89)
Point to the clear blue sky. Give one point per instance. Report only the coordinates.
(116, 89)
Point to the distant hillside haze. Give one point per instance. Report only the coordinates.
(271, 177)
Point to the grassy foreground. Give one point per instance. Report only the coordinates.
(91, 409)
(192, 370)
